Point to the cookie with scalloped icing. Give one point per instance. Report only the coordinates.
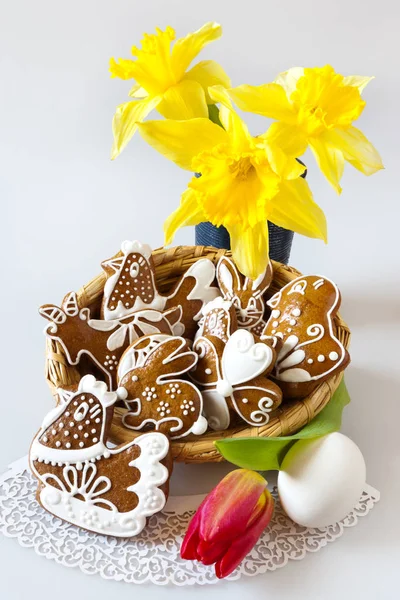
(302, 321)
(82, 480)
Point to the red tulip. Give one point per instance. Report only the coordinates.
(229, 522)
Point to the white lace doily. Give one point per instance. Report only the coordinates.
(154, 555)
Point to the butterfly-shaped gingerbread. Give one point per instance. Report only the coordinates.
(83, 481)
(302, 323)
(151, 381)
(247, 295)
(232, 370)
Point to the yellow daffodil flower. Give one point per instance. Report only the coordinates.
(244, 182)
(163, 81)
(316, 108)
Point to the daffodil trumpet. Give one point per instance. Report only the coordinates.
(163, 80)
(315, 108)
(245, 181)
(229, 521)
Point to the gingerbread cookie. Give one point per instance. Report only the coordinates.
(156, 398)
(81, 480)
(103, 341)
(131, 286)
(233, 376)
(302, 321)
(219, 319)
(246, 295)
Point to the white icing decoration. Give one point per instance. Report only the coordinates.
(275, 314)
(243, 359)
(89, 512)
(333, 355)
(295, 375)
(200, 426)
(296, 312)
(218, 302)
(321, 358)
(293, 359)
(215, 410)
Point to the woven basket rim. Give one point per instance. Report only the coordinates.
(169, 265)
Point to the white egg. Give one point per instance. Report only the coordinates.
(321, 480)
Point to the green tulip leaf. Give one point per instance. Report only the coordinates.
(266, 454)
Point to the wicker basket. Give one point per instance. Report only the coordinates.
(170, 264)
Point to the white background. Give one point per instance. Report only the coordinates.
(66, 206)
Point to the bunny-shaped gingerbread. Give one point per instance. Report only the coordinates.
(83, 481)
(302, 323)
(232, 370)
(147, 377)
(246, 295)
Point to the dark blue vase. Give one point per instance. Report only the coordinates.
(280, 239)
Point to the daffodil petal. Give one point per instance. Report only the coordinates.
(294, 208)
(187, 48)
(330, 160)
(357, 150)
(283, 165)
(185, 100)
(126, 119)
(357, 81)
(188, 213)
(208, 73)
(250, 248)
(236, 128)
(137, 91)
(181, 141)
(289, 138)
(269, 100)
(288, 79)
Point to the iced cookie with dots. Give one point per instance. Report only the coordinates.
(85, 482)
(131, 286)
(302, 321)
(102, 341)
(151, 378)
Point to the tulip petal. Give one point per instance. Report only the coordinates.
(191, 539)
(357, 149)
(188, 213)
(329, 159)
(126, 119)
(227, 509)
(210, 552)
(250, 248)
(208, 73)
(181, 141)
(187, 48)
(294, 208)
(185, 100)
(244, 544)
(269, 100)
